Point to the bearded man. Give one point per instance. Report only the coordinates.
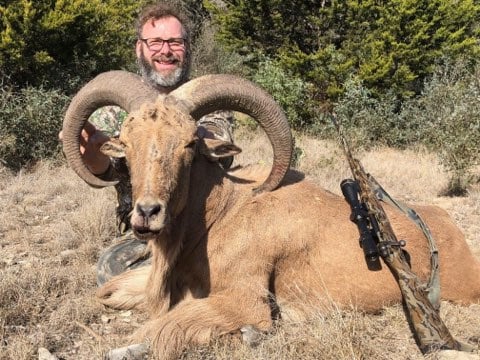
(163, 50)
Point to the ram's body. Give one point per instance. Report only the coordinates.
(231, 250)
(219, 251)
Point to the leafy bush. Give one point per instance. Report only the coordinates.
(289, 91)
(369, 121)
(390, 45)
(211, 57)
(43, 43)
(29, 123)
(445, 118)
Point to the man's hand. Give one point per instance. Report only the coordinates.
(91, 140)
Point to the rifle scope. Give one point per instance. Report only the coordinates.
(360, 217)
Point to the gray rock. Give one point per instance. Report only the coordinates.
(132, 352)
(44, 354)
(456, 355)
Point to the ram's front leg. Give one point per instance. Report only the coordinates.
(126, 291)
(197, 321)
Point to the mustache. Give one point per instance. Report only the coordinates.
(165, 58)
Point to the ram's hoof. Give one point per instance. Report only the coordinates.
(251, 335)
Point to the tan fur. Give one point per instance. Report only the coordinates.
(219, 251)
(127, 290)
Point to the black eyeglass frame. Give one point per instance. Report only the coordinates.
(173, 43)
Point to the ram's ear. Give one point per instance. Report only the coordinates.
(215, 149)
(113, 148)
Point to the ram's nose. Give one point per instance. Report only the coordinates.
(148, 210)
(149, 217)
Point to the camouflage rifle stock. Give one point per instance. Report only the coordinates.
(429, 330)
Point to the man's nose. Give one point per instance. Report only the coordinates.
(164, 49)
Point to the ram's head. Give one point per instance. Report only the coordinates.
(195, 98)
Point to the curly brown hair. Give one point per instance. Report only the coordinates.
(164, 9)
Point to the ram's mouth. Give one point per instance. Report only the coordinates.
(145, 232)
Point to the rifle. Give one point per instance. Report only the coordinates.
(378, 240)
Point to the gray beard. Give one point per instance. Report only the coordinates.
(157, 80)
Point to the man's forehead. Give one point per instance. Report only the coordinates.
(164, 27)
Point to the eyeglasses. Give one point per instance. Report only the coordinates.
(156, 44)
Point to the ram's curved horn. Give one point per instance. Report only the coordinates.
(209, 93)
(120, 88)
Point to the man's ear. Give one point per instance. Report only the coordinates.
(113, 148)
(138, 49)
(215, 149)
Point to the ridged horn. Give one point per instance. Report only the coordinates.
(209, 93)
(120, 88)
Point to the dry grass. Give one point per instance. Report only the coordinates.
(53, 226)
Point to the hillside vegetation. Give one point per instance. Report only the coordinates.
(399, 73)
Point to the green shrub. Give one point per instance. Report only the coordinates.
(390, 45)
(44, 42)
(289, 91)
(369, 121)
(211, 57)
(30, 120)
(447, 116)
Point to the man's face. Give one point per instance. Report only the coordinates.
(165, 66)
